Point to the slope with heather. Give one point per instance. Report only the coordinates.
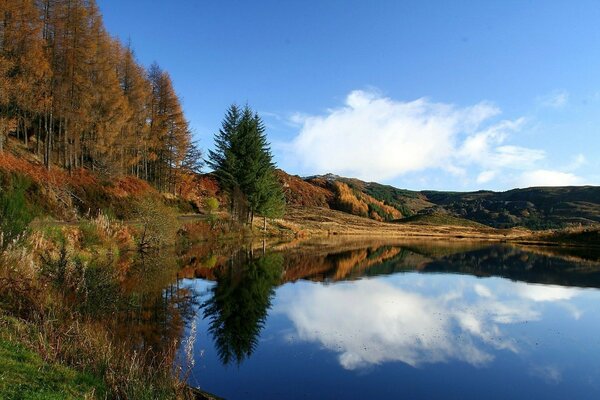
(534, 208)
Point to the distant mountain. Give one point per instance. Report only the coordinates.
(535, 208)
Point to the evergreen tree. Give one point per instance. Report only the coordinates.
(242, 162)
(223, 160)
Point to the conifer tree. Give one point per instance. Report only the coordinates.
(84, 98)
(223, 160)
(242, 162)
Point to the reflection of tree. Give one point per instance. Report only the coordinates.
(238, 307)
(157, 307)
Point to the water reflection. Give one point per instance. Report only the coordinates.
(156, 307)
(370, 322)
(239, 302)
(416, 313)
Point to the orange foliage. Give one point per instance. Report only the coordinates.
(129, 186)
(34, 171)
(347, 200)
(301, 193)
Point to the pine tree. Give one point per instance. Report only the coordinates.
(223, 160)
(242, 162)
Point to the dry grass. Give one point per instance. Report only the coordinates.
(56, 290)
(312, 221)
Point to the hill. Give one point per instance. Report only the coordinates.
(66, 195)
(534, 208)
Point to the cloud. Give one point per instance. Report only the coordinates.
(546, 177)
(374, 137)
(377, 138)
(486, 176)
(556, 99)
(578, 161)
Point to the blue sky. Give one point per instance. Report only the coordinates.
(454, 95)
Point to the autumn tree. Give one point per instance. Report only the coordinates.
(84, 99)
(23, 68)
(169, 131)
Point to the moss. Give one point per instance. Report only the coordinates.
(24, 375)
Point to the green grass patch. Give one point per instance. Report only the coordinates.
(24, 375)
(15, 214)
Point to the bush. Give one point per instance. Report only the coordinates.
(15, 215)
(159, 224)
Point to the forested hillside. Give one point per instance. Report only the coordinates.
(536, 208)
(77, 97)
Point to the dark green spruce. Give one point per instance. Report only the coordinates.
(243, 163)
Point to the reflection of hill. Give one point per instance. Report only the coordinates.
(346, 260)
(517, 264)
(157, 308)
(558, 266)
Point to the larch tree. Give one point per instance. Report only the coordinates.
(84, 99)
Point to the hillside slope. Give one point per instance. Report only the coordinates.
(67, 195)
(535, 208)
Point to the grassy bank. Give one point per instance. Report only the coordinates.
(61, 289)
(25, 375)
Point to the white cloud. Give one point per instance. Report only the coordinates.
(546, 177)
(377, 138)
(578, 161)
(486, 176)
(556, 99)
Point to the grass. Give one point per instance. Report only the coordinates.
(24, 375)
(59, 287)
(312, 222)
(440, 219)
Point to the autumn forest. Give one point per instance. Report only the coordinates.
(77, 97)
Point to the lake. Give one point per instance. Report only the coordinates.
(415, 320)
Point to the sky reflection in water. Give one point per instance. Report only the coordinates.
(413, 335)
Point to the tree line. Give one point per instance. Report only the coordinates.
(77, 97)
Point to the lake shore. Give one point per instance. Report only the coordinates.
(304, 222)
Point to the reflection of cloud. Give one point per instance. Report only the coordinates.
(482, 290)
(371, 322)
(549, 293)
(544, 292)
(549, 373)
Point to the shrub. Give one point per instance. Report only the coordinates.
(159, 224)
(15, 215)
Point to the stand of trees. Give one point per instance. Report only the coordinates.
(243, 163)
(78, 98)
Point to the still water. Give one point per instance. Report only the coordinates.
(396, 320)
